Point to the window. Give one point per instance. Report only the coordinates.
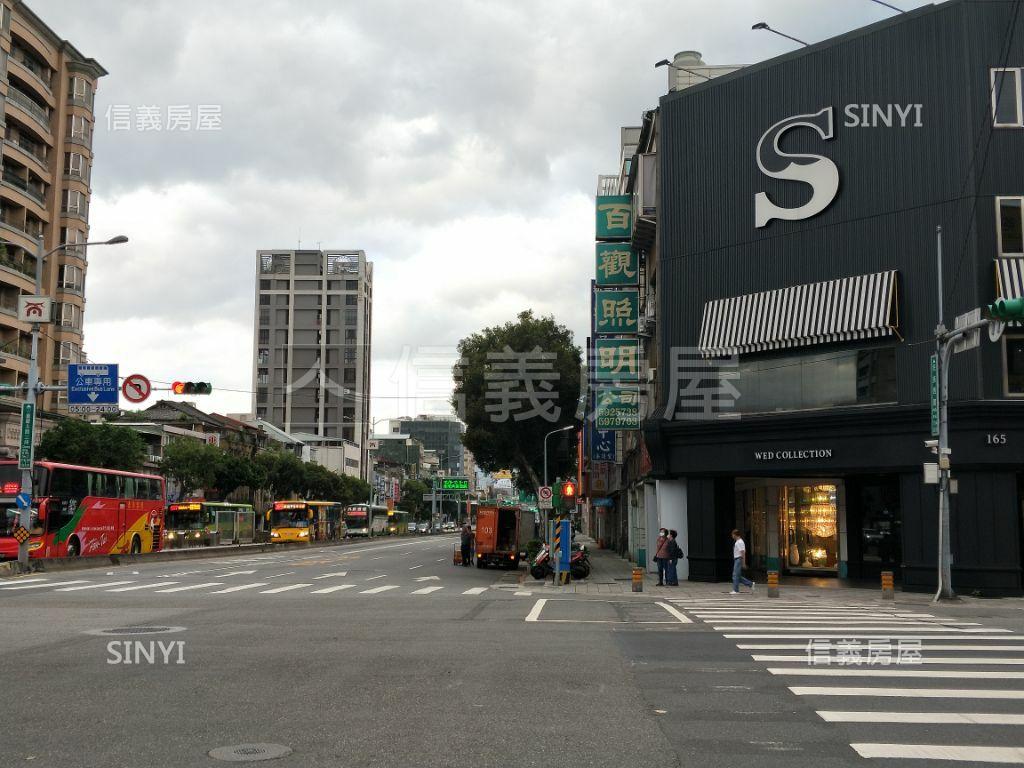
(262, 376)
(66, 352)
(74, 202)
(1014, 354)
(351, 300)
(1010, 223)
(78, 127)
(264, 337)
(75, 165)
(1006, 98)
(265, 300)
(350, 317)
(263, 356)
(70, 277)
(70, 315)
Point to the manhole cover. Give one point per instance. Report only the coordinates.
(250, 753)
(135, 631)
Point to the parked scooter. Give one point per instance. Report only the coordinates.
(579, 563)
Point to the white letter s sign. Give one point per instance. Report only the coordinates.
(817, 171)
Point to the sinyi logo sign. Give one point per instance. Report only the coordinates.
(818, 172)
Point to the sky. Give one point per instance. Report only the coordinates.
(457, 142)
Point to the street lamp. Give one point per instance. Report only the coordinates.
(887, 5)
(549, 434)
(33, 382)
(667, 63)
(764, 25)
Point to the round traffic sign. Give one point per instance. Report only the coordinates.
(136, 388)
(544, 493)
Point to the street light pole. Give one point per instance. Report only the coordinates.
(33, 387)
(547, 521)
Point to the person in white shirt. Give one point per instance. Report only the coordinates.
(739, 561)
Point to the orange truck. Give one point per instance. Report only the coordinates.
(497, 537)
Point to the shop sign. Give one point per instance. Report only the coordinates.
(618, 409)
(802, 454)
(614, 217)
(616, 312)
(617, 265)
(616, 360)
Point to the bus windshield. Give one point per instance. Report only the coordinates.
(289, 518)
(185, 520)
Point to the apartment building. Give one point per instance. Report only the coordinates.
(311, 353)
(46, 113)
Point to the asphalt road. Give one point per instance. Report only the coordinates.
(385, 654)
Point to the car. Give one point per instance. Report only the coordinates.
(448, 527)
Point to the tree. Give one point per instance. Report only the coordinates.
(412, 499)
(232, 472)
(95, 445)
(191, 465)
(285, 474)
(496, 438)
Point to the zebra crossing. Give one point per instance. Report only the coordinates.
(853, 662)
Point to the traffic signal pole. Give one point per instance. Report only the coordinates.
(30, 406)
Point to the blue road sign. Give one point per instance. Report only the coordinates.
(23, 500)
(566, 538)
(92, 384)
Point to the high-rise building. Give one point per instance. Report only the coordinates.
(311, 357)
(441, 434)
(46, 113)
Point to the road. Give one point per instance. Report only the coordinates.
(384, 654)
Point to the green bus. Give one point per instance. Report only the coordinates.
(208, 523)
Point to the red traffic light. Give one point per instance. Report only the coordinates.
(568, 489)
(192, 388)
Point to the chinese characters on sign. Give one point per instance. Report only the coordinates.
(876, 652)
(175, 117)
(614, 217)
(616, 312)
(516, 380)
(617, 265)
(617, 408)
(616, 360)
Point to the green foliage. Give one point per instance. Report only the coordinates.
(284, 472)
(191, 464)
(95, 445)
(412, 499)
(518, 444)
(232, 472)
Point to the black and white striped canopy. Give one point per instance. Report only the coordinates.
(1010, 278)
(860, 307)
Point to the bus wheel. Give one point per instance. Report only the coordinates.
(73, 548)
(136, 546)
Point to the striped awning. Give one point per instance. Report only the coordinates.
(860, 307)
(1010, 278)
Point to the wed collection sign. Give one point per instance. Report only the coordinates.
(801, 454)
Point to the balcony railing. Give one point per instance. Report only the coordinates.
(37, 151)
(25, 269)
(29, 189)
(81, 101)
(26, 102)
(41, 72)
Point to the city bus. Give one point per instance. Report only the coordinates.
(82, 511)
(208, 523)
(366, 520)
(300, 520)
(398, 522)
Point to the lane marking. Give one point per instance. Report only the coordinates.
(328, 590)
(287, 588)
(683, 619)
(874, 636)
(908, 693)
(924, 647)
(442, 559)
(376, 577)
(143, 586)
(1006, 755)
(523, 594)
(286, 573)
(51, 584)
(922, 718)
(30, 581)
(192, 586)
(93, 586)
(413, 568)
(926, 673)
(425, 590)
(876, 628)
(328, 575)
(839, 622)
(378, 590)
(534, 613)
(239, 588)
(235, 573)
(966, 660)
(475, 591)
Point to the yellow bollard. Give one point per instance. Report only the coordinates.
(638, 579)
(773, 583)
(888, 591)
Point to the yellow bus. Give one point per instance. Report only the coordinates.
(302, 520)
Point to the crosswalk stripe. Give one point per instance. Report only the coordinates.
(839, 622)
(236, 573)
(50, 584)
(376, 577)
(965, 660)
(922, 718)
(93, 586)
(875, 635)
(870, 628)
(287, 588)
(26, 581)
(328, 590)
(425, 590)
(143, 586)
(1004, 755)
(239, 588)
(328, 575)
(378, 590)
(810, 615)
(475, 591)
(877, 671)
(192, 586)
(908, 693)
(931, 647)
(413, 568)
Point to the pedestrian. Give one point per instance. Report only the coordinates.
(739, 562)
(675, 552)
(661, 555)
(467, 545)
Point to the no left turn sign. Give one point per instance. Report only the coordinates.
(136, 388)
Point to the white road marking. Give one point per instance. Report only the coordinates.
(414, 567)
(442, 559)
(966, 660)
(428, 578)
(534, 613)
(805, 615)
(839, 622)
(475, 591)
(235, 573)
(924, 647)
(32, 581)
(286, 573)
(192, 586)
(902, 672)
(377, 558)
(523, 594)
(328, 575)
(1005, 755)
(378, 590)
(683, 619)
(239, 588)
(425, 590)
(878, 628)
(284, 589)
(875, 635)
(93, 586)
(908, 693)
(922, 718)
(328, 590)
(376, 577)
(50, 584)
(143, 586)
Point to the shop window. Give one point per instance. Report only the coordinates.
(1006, 98)
(1010, 225)
(811, 515)
(1014, 362)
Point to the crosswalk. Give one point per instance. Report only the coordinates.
(881, 672)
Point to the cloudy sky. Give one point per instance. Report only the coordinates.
(456, 142)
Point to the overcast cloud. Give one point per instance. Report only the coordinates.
(457, 143)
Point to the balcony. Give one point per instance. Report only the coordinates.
(30, 150)
(79, 100)
(35, 191)
(38, 72)
(82, 139)
(29, 105)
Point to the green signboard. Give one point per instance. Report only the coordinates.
(614, 217)
(617, 264)
(28, 429)
(935, 395)
(452, 483)
(616, 360)
(616, 312)
(617, 408)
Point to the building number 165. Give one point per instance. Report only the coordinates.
(996, 439)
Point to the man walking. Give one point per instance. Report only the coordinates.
(675, 552)
(467, 545)
(661, 556)
(739, 562)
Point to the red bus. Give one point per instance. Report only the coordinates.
(82, 511)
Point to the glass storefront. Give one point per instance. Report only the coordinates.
(810, 524)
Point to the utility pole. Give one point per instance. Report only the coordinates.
(29, 413)
(943, 349)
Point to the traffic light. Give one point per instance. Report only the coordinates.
(1006, 310)
(568, 489)
(192, 388)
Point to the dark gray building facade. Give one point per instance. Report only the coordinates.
(798, 211)
(438, 434)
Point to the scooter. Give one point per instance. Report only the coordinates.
(579, 563)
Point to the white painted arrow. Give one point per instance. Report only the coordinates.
(428, 578)
(92, 396)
